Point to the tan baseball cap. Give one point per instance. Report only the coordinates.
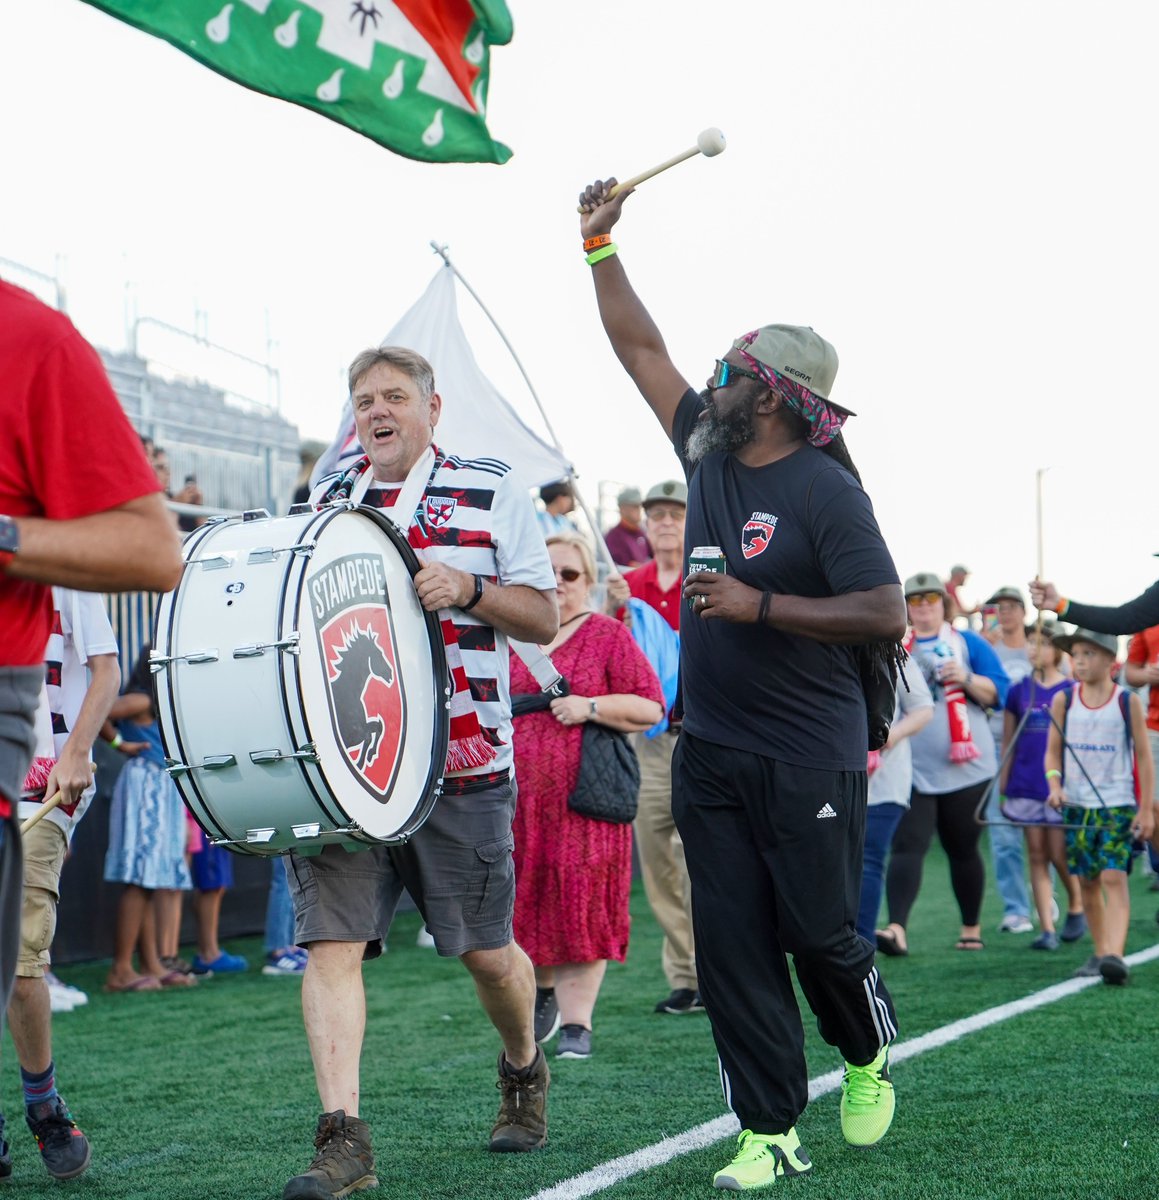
(672, 491)
(797, 352)
(924, 581)
(1104, 641)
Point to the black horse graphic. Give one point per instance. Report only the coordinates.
(358, 660)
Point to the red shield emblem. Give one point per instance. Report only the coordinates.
(367, 704)
(439, 510)
(755, 537)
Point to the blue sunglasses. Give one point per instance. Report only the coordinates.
(724, 372)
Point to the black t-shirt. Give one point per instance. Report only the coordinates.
(797, 527)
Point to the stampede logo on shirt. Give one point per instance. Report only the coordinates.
(364, 689)
(757, 534)
(440, 509)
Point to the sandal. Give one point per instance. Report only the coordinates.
(889, 945)
(177, 979)
(143, 983)
(970, 943)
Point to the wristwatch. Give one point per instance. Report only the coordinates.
(9, 541)
(594, 710)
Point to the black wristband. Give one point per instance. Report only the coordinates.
(763, 611)
(476, 597)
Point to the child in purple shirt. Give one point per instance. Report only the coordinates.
(1025, 790)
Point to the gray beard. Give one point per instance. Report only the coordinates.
(716, 432)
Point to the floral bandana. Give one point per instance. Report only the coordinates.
(825, 419)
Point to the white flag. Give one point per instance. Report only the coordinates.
(476, 421)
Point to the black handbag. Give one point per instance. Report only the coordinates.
(608, 787)
(878, 668)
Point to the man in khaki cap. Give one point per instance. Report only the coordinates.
(769, 773)
(661, 851)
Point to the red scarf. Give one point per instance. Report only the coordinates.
(469, 746)
(962, 748)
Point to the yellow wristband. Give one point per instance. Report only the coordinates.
(600, 254)
(115, 741)
(1053, 774)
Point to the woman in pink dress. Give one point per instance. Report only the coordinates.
(573, 874)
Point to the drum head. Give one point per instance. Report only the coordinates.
(372, 674)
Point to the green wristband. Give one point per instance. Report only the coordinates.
(600, 254)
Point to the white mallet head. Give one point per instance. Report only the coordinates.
(710, 142)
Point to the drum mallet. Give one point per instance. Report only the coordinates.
(41, 812)
(709, 143)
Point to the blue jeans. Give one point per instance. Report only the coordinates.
(1006, 843)
(881, 820)
(279, 910)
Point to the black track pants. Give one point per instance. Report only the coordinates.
(772, 875)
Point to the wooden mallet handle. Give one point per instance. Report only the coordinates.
(41, 812)
(709, 143)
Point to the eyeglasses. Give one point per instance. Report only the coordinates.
(925, 598)
(724, 372)
(567, 574)
(660, 515)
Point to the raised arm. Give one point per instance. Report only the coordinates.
(1132, 617)
(632, 332)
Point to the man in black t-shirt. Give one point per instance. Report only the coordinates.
(769, 778)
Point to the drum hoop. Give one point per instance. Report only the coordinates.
(194, 802)
(439, 675)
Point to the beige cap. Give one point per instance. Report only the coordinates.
(674, 491)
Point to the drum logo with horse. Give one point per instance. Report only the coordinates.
(365, 691)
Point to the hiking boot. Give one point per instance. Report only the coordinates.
(547, 1016)
(344, 1161)
(64, 1149)
(762, 1159)
(1089, 969)
(681, 1000)
(1073, 927)
(1113, 969)
(575, 1041)
(867, 1101)
(522, 1123)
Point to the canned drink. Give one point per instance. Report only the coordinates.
(705, 558)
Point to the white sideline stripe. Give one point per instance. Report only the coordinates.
(608, 1174)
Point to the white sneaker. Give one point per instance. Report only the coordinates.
(1016, 923)
(63, 996)
(425, 939)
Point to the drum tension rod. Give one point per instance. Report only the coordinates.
(158, 662)
(256, 649)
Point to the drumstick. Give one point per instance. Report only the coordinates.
(41, 812)
(710, 143)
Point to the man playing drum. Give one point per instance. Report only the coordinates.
(486, 570)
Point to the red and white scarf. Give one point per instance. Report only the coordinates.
(468, 746)
(962, 748)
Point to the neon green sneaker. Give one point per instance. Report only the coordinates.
(762, 1159)
(867, 1101)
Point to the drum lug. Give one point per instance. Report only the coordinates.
(308, 753)
(255, 649)
(212, 762)
(253, 837)
(219, 520)
(214, 563)
(311, 830)
(158, 662)
(266, 554)
(256, 514)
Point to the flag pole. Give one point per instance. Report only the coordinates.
(602, 550)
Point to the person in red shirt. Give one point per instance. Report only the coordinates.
(658, 843)
(79, 507)
(1142, 670)
(627, 542)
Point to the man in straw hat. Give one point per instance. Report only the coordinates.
(773, 755)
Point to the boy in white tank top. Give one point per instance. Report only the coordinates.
(1109, 791)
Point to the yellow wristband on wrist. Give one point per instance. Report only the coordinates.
(1053, 774)
(600, 254)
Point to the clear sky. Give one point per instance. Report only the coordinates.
(961, 197)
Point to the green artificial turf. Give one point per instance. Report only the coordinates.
(209, 1092)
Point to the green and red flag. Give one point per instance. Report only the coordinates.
(411, 75)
